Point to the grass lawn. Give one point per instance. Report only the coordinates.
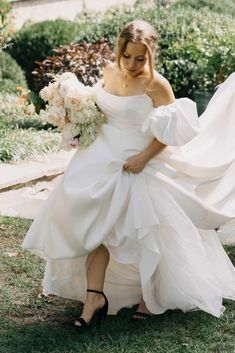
(30, 322)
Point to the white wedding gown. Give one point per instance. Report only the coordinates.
(157, 224)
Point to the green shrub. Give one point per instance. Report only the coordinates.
(107, 27)
(86, 60)
(16, 112)
(7, 86)
(25, 144)
(224, 6)
(35, 42)
(5, 19)
(22, 131)
(11, 74)
(197, 48)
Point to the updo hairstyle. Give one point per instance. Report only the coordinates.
(139, 32)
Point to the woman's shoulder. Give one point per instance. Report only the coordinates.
(108, 69)
(159, 83)
(161, 91)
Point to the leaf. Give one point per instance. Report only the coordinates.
(86, 60)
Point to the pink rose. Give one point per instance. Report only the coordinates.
(74, 142)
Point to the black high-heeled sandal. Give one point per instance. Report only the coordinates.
(142, 316)
(99, 314)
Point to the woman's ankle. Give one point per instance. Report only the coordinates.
(94, 298)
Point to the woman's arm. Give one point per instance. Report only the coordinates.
(152, 150)
(162, 94)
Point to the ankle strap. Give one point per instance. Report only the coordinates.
(95, 291)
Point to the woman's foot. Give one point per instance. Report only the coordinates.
(93, 302)
(142, 312)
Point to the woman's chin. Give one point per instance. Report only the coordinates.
(133, 73)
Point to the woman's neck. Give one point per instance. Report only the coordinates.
(128, 80)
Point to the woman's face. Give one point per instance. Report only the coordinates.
(134, 59)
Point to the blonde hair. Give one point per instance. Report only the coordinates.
(141, 32)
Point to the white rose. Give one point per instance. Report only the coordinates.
(67, 76)
(47, 92)
(73, 101)
(60, 111)
(57, 101)
(65, 87)
(57, 116)
(53, 119)
(71, 86)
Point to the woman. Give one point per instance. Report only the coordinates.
(134, 213)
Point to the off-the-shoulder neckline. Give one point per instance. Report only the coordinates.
(133, 96)
(138, 96)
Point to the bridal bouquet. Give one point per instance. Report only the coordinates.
(71, 107)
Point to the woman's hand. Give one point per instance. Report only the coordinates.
(135, 163)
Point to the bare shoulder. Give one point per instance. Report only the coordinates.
(161, 91)
(109, 69)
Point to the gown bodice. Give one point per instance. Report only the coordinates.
(172, 124)
(123, 112)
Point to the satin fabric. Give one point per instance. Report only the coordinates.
(157, 224)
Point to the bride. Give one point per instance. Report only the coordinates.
(134, 214)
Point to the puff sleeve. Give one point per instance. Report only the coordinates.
(174, 124)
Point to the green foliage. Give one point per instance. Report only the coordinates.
(35, 42)
(25, 144)
(16, 112)
(225, 6)
(5, 9)
(194, 54)
(197, 48)
(11, 74)
(7, 86)
(22, 131)
(11, 105)
(108, 26)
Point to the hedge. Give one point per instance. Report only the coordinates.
(11, 74)
(36, 42)
(197, 47)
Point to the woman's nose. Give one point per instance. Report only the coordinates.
(131, 64)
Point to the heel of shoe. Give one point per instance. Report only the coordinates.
(102, 313)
